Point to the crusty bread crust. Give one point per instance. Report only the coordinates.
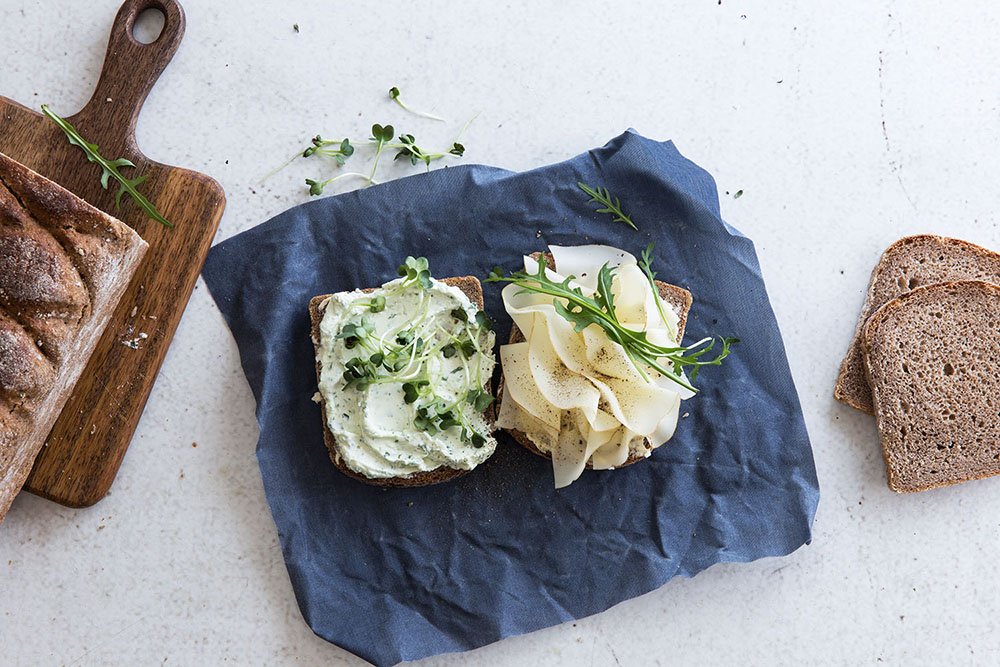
(678, 298)
(908, 263)
(64, 265)
(473, 289)
(932, 392)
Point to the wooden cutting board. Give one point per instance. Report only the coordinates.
(87, 444)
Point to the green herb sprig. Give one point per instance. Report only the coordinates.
(403, 355)
(614, 207)
(342, 149)
(583, 311)
(382, 139)
(416, 154)
(394, 94)
(645, 263)
(109, 169)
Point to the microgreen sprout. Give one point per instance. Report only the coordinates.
(479, 399)
(416, 270)
(602, 196)
(583, 311)
(405, 355)
(343, 151)
(409, 149)
(394, 94)
(382, 135)
(382, 139)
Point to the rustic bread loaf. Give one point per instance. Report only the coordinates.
(472, 288)
(932, 358)
(63, 267)
(677, 298)
(909, 263)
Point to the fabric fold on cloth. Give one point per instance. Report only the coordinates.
(401, 574)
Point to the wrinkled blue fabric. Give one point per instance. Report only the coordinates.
(401, 574)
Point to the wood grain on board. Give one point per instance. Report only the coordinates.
(87, 444)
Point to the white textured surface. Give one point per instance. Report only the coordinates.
(846, 124)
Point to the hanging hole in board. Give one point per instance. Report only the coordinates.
(148, 25)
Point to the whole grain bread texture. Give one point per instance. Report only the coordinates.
(473, 289)
(677, 298)
(909, 263)
(933, 359)
(63, 268)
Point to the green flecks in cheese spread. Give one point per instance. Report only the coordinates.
(404, 370)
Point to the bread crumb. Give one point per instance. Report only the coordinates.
(685, 415)
(135, 309)
(409, 504)
(194, 444)
(134, 342)
(100, 528)
(317, 397)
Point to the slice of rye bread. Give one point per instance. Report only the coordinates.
(473, 289)
(909, 263)
(932, 358)
(677, 297)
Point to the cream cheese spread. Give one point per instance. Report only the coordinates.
(420, 351)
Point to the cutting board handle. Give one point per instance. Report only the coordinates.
(131, 68)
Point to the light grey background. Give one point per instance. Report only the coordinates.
(846, 124)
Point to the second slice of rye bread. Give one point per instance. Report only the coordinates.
(911, 262)
(933, 358)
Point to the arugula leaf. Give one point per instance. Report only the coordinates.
(645, 263)
(584, 311)
(109, 169)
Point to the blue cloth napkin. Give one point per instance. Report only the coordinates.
(401, 574)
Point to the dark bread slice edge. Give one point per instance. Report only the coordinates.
(678, 298)
(852, 379)
(869, 334)
(472, 288)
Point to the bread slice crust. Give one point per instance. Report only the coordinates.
(677, 297)
(929, 356)
(473, 289)
(64, 266)
(910, 262)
